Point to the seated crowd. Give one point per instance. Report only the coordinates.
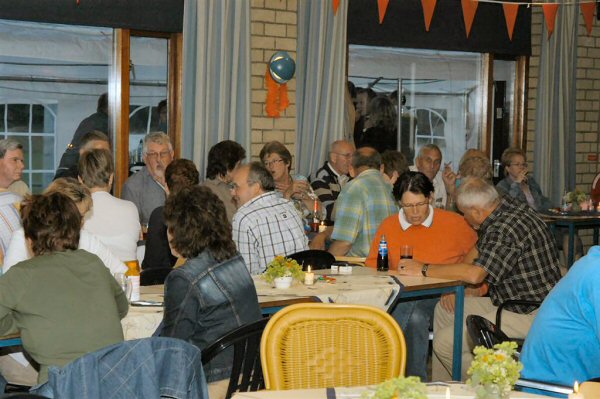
(222, 230)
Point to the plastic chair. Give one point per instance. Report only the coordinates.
(484, 332)
(317, 345)
(154, 276)
(246, 372)
(317, 259)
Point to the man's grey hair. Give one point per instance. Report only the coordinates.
(158, 138)
(475, 192)
(428, 147)
(366, 156)
(9, 145)
(258, 173)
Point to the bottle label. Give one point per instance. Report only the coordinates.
(383, 249)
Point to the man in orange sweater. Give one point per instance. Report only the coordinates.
(436, 237)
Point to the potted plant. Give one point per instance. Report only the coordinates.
(401, 387)
(282, 271)
(576, 199)
(494, 372)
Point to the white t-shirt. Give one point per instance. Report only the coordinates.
(18, 251)
(439, 190)
(116, 224)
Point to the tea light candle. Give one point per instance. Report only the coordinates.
(322, 227)
(447, 392)
(309, 277)
(576, 394)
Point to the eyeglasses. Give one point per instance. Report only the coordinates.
(273, 162)
(154, 155)
(347, 156)
(412, 206)
(232, 186)
(521, 165)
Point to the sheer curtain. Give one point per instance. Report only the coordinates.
(216, 79)
(555, 113)
(321, 81)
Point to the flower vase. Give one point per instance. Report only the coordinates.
(492, 391)
(575, 207)
(283, 283)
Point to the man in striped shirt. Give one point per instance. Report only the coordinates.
(265, 224)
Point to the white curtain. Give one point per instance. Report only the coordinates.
(555, 132)
(216, 79)
(321, 81)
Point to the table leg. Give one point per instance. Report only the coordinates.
(571, 255)
(596, 235)
(458, 332)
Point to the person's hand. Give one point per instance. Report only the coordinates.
(522, 177)
(318, 242)
(447, 302)
(298, 189)
(449, 178)
(410, 267)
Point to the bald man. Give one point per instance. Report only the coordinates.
(328, 181)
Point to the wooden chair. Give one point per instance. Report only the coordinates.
(317, 345)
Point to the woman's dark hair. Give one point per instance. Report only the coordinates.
(275, 147)
(394, 161)
(415, 182)
(223, 157)
(382, 113)
(197, 221)
(181, 173)
(52, 222)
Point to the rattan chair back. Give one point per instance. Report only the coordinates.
(317, 345)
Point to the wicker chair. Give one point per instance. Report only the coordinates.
(316, 345)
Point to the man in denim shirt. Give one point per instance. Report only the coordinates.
(212, 293)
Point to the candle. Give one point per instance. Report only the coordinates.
(576, 394)
(447, 392)
(322, 227)
(309, 277)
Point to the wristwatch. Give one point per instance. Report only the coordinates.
(424, 269)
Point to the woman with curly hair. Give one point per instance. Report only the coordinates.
(212, 293)
(382, 126)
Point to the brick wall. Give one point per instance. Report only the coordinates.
(273, 28)
(587, 101)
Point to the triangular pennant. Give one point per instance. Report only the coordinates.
(550, 14)
(588, 15)
(469, 9)
(510, 14)
(336, 4)
(428, 9)
(382, 4)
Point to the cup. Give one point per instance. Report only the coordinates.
(406, 252)
(125, 283)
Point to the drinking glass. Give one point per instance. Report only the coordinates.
(406, 252)
(125, 284)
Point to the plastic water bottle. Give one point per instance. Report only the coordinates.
(382, 256)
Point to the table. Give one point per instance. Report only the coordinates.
(457, 391)
(574, 221)
(380, 289)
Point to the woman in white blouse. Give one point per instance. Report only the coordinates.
(18, 250)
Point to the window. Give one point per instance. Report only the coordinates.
(34, 126)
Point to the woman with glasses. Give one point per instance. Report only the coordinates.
(437, 237)
(519, 185)
(278, 160)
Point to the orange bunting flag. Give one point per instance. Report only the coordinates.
(336, 4)
(382, 5)
(277, 96)
(469, 8)
(588, 15)
(428, 9)
(550, 14)
(510, 14)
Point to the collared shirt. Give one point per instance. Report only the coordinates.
(439, 190)
(265, 227)
(222, 190)
(327, 184)
(405, 224)
(361, 207)
(10, 219)
(517, 250)
(145, 192)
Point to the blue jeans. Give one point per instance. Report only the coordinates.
(414, 317)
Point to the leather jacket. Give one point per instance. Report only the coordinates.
(204, 300)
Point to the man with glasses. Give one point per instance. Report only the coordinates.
(328, 181)
(265, 225)
(146, 189)
(428, 162)
(436, 237)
